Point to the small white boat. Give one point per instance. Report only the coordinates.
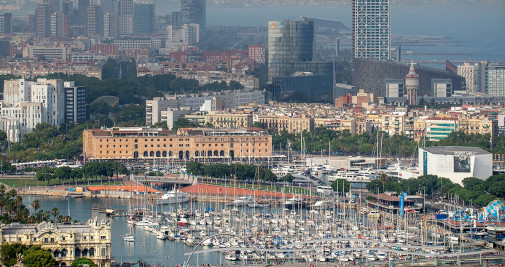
(128, 238)
(230, 257)
(244, 200)
(173, 197)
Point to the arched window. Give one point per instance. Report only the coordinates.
(170, 153)
(203, 153)
(221, 153)
(85, 252)
(216, 154)
(197, 153)
(151, 154)
(145, 154)
(164, 154)
(91, 252)
(158, 154)
(77, 252)
(181, 155)
(187, 154)
(209, 153)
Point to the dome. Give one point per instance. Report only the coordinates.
(493, 209)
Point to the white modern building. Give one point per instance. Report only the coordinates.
(468, 71)
(31, 103)
(455, 162)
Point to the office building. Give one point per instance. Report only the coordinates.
(143, 18)
(6, 23)
(59, 25)
(43, 20)
(194, 11)
(455, 162)
(83, 12)
(412, 85)
(66, 242)
(110, 25)
(75, 102)
(441, 87)
(188, 144)
(125, 17)
(371, 29)
(5, 48)
(176, 19)
(67, 8)
(95, 20)
(257, 53)
(50, 53)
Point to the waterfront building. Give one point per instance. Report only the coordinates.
(371, 29)
(143, 18)
(66, 242)
(188, 144)
(455, 162)
(412, 85)
(278, 124)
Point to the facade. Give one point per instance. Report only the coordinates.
(95, 20)
(194, 11)
(125, 17)
(439, 128)
(370, 74)
(75, 102)
(82, 6)
(394, 88)
(143, 18)
(66, 242)
(50, 53)
(229, 121)
(257, 53)
(441, 87)
(289, 42)
(6, 23)
(468, 71)
(188, 144)
(43, 20)
(285, 123)
(393, 124)
(455, 163)
(371, 26)
(110, 25)
(32, 103)
(495, 80)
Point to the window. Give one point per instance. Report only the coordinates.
(46, 240)
(102, 237)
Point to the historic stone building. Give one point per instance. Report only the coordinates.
(66, 242)
(188, 144)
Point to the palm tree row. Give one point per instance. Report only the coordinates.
(12, 209)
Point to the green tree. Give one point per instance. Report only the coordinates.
(183, 123)
(9, 253)
(37, 257)
(83, 261)
(341, 184)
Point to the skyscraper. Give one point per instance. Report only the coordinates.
(371, 23)
(125, 17)
(143, 18)
(194, 11)
(95, 20)
(110, 25)
(43, 20)
(289, 42)
(6, 23)
(83, 11)
(109, 6)
(58, 24)
(495, 79)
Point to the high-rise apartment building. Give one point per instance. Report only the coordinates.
(95, 20)
(58, 24)
(75, 102)
(6, 23)
(143, 18)
(109, 6)
(289, 42)
(43, 20)
(194, 11)
(125, 17)
(371, 26)
(468, 71)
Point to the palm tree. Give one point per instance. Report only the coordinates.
(55, 213)
(35, 205)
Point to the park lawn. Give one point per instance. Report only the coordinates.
(22, 182)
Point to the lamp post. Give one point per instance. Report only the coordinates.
(167, 261)
(122, 250)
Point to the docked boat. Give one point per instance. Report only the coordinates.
(129, 238)
(294, 202)
(245, 200)
(173, 197)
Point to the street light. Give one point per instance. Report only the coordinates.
(122, 249)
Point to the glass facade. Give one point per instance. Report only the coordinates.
(194, 11)
(495, 80)
(143, 18)
(371, 29)
(289, 42)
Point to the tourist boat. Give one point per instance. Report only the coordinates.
(173, 197)
(245, 200)
(129, 238)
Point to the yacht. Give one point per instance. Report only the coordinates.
(173, 197)
(293, 202)
(245, 200)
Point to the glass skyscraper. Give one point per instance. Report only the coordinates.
(143, 18)
(194, 11)
(371, 25)
(289, 42)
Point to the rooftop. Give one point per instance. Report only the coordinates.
(455, 150)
